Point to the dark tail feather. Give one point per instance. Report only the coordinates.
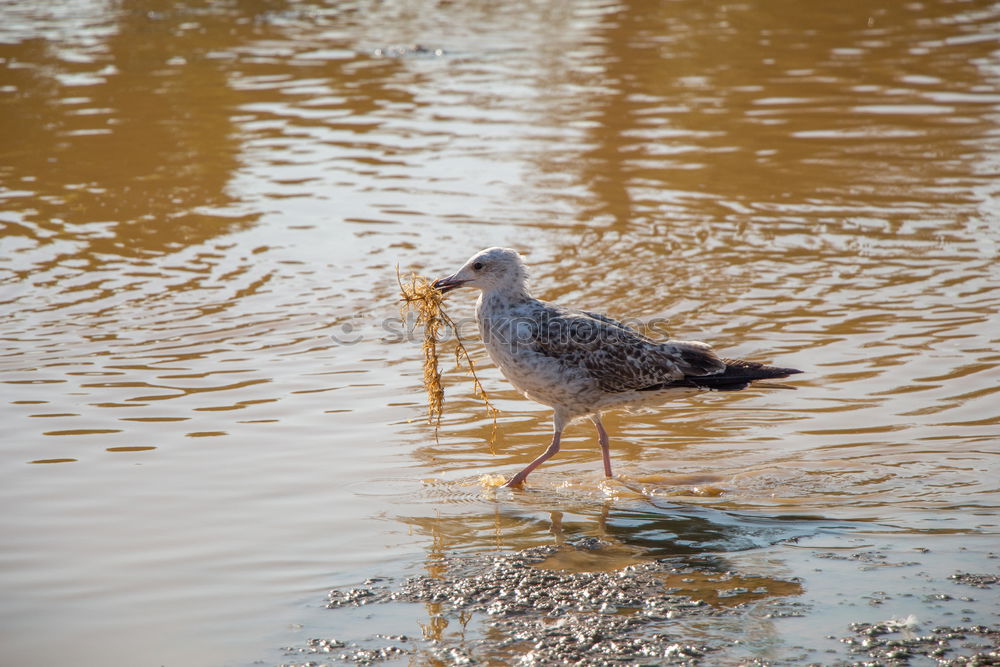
(738, 375)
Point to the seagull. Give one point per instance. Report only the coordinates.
(580, 363)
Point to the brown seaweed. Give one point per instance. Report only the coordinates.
(422, 298)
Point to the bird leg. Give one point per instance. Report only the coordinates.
(602, 438)
(517, 480)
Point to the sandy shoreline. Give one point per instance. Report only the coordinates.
(824, 600)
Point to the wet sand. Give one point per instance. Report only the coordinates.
(846, 595)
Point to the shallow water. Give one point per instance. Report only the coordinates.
(212, 412)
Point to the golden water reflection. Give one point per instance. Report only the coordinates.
(202, 210)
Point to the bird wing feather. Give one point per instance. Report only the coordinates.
(617, 357)
(621, 325)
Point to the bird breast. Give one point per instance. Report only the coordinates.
(510, 340)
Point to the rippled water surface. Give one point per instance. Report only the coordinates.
(212, 412)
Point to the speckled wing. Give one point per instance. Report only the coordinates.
(614, 322)
(617, 357)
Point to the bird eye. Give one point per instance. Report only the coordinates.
(477, 266)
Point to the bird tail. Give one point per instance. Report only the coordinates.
(738, 374)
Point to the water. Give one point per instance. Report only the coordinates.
(212, 413)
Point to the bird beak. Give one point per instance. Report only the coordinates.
(448, 284)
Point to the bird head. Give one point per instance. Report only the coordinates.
(488, 270)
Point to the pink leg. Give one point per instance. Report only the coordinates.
(517, 480)
(602, 438)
